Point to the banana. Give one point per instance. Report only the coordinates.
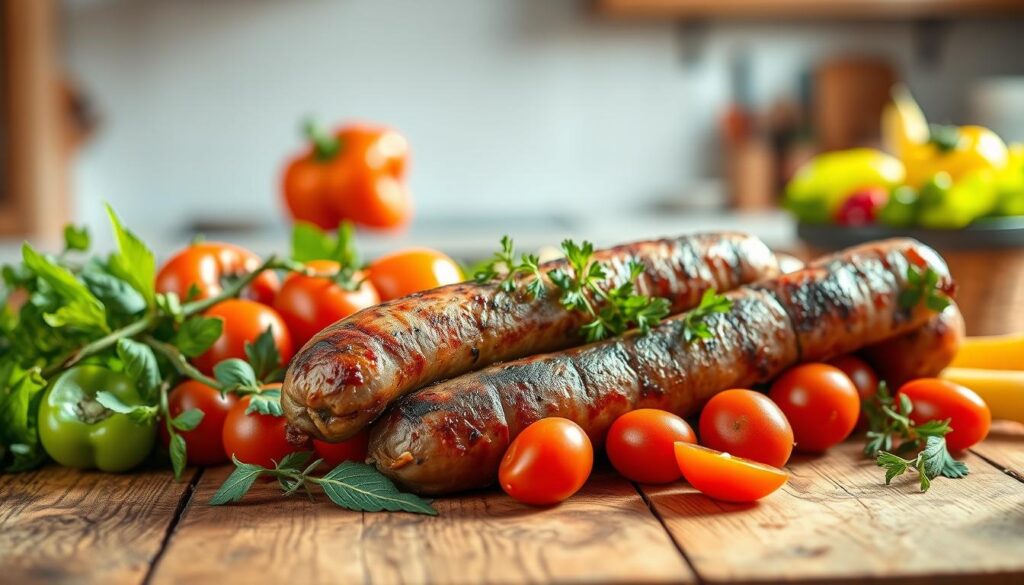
(903, 123)
(1002, 390)
(995, 352)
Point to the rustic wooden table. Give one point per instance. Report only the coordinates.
(833, 521)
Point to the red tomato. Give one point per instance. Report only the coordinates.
(820, 402)
(206, 265)
(548, 462)
(725, 477)
(935, 399)
(255, 438)
(860, 373)
(244, 321)
(640, 445)
(409, 271)
(203, 443)
(308, 304)
(353, 449)
(747, 424)
(862, 207)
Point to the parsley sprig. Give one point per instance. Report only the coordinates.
(695, 323)
(355, 486)
(504, 265)
(889, 426)
(924, 286)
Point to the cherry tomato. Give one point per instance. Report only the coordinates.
(640, 445)
(255, 438)
(935, 399)
(747, 424)
(862, 207)
(206, 265)
(244, 321)
(726, 477)
(548, 462)
(308, 304)
(820, 402)
(408, 271)
(353, 449)
(860, 373)
(203, 443)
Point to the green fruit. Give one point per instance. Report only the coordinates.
(902, 207)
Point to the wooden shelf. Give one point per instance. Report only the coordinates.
(807, 9)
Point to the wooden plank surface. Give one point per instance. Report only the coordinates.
(64, 526)
(1004, 447)
(836, 520)
(605, 533)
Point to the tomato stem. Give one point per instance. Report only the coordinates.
(180, 363)
(325, 146)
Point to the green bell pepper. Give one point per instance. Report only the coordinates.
(901, 209)
(77, 431)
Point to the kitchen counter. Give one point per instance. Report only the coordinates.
(835, 520)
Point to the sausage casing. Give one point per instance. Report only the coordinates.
(349, 373)
(451, 436)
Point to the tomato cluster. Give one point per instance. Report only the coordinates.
(746, 436)
(293, 311)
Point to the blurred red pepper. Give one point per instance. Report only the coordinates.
(862, 207)
(357, 173)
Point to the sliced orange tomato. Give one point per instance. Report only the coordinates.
(725, 477)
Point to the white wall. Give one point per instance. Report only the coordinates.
(511, 107)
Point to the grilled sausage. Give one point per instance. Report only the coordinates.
(349, 373)
(451, 436)
(922, 353)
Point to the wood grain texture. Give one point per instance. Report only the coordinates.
(64, 526)
(1004, 447)
(836, 520)
(603, 534)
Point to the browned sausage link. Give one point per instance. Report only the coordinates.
(346, 375)
(451, 436)
(922, 353)
(845, 301)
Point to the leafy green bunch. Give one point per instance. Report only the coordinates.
(892, 433)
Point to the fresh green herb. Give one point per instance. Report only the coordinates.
(504, 266)
(355, 486)
(931, 462)
(140, 413)
(76, 238)
(924, 286)
(311, 243)
(695, 323)
(622, 307)
(889, 425)
(264, 358)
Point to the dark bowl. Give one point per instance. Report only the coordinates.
(985, 234)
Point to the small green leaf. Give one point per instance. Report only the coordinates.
(360, 487)
(76, 238)
(140, 413)
(235, 373)
(188, 420)
(141, 366)
(169, 304)
(266, 402)
(296, 460)
(20, 394)
(197, 335)
(133, 262)
(81, 309)
(179, 455)
(937, 460)
(264, 357)
(119, 297)
(237, 484)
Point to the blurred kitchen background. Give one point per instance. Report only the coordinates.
(605, 119)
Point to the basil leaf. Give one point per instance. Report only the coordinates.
(81, 309)
(134, 262)
(362, 488)
(188, 420)
(20, 394)
(264, 357)
(139, 413)
(237, 484)
(310, 243)
(196, 335)
(178, 454)
(266, 402)
(235, 373)
(119, 297)
(141, 366)
(76, 238)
